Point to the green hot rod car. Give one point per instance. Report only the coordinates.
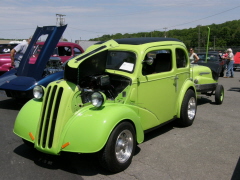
(111, 95)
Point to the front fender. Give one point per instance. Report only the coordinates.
(187, 85)
(88, 130)
(24, 125)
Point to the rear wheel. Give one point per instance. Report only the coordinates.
(219, 94)
(188, 109)
(117, 154)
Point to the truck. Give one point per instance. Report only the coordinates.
(114, 93)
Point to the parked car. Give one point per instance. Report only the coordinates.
(213, 57)
(113, 94)
(40, 65)
(236, 64)
(64, 50)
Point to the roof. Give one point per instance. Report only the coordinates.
(143, 40)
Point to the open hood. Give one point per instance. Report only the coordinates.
(92, 62)
(36, 70)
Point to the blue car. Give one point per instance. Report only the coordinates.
(19, 82)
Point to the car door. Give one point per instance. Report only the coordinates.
(182, 69)
(157, 93)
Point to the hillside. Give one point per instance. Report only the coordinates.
(222, 35)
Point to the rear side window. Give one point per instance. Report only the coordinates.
(181, 58)
(162, 62)
(77, 51)
(64, 51)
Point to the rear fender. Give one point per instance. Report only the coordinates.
(6, 67)
(187, 85)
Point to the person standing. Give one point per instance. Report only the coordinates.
(230, 61)
(193, 56)
(17, 52)
(224, 56)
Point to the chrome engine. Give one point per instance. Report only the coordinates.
(53, 65)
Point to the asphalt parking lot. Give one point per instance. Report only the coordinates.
(209, 149)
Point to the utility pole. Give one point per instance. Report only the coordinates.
(165, 32)
(60, 19)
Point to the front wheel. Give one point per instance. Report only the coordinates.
(188, 109)
(219, 94)
(117, 154)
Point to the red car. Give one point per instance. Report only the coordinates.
(236, 64)
(64, 50)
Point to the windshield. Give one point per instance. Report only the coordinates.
(211, 57)
(38, 48)
(121, 60)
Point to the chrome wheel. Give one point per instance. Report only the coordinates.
(188, 109)
(118, 152)
(124, 146)
(191, 108)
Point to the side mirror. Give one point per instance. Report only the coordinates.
(148, 61)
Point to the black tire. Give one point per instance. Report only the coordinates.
(234, 69)
(117, 154)
(188, 109)
(219, 94)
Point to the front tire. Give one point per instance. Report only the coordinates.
(117, 154)
(188, 109)
(219, 94)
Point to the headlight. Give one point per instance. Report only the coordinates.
(98, 99)
(196, 81)
(38, 92)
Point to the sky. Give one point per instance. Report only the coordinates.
(88, 19)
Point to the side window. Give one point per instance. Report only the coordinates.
(181, 58)
(162, 62)
(64, 51)
(77, 51)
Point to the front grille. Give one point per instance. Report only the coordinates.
(49, 114)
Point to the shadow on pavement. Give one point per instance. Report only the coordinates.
(159, 131)
(236, 173)
(12, 104)
(202, 101)
(81, 164)
(236, 89)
